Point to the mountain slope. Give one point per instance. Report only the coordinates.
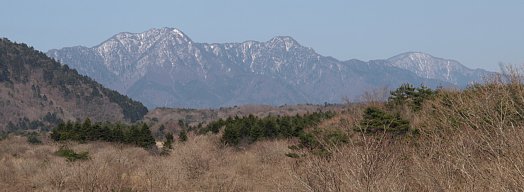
(37, 92)
(164, 67)
(427, 66)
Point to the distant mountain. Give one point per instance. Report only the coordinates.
(427, 66)
(164, 67)
(36, 92)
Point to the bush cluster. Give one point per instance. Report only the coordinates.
(412, 97)
(376, 120)
(404, 98)
(71, 155)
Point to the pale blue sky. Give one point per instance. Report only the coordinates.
(478, 33)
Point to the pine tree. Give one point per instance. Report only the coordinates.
(375, 120)
(407, 95)
(403, 94)
(117, 133)
(169, 141)
(182, 124)
(182, 136)
(423, 93)
(162, 128)
(56, 133)
(87, 123)
(145, 138)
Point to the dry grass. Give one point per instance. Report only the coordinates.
(469, 141)
(459, 160)
(197, 165)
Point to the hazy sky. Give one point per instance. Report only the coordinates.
(478, 33)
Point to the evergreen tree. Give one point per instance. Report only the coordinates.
(423, 93)
(79, 133)
(162, 128)
(182, 136)
(378, 120)
(270, 128)
(182, 124)
(55, 134)
(117, 133)
(145, 138)
(169, 141)
(132, 135)
(231, 135)
(407, 95)
(32, 138)
(401, 95)
(251, 128)
(104, 131)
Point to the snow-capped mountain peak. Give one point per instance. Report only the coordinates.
(164, 67)
(151, 36)
(283, 41)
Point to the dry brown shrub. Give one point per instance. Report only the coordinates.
(200, 164)
(366, 164)
(470, 140)
(473, 139)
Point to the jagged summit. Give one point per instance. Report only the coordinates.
(168, 32)
(286, 42)
(156, 31)
(283, 39)
(146, 38)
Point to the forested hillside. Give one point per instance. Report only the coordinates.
(37, 92)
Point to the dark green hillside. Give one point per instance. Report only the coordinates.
(32, 86)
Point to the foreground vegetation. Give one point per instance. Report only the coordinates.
(419, 140)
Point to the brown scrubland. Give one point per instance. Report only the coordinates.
(460, 140)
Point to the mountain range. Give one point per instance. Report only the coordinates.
(37, 92)
(163, 67)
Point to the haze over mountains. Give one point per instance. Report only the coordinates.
(165, 68)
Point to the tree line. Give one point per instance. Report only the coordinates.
(248, 129)
(135, 134)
